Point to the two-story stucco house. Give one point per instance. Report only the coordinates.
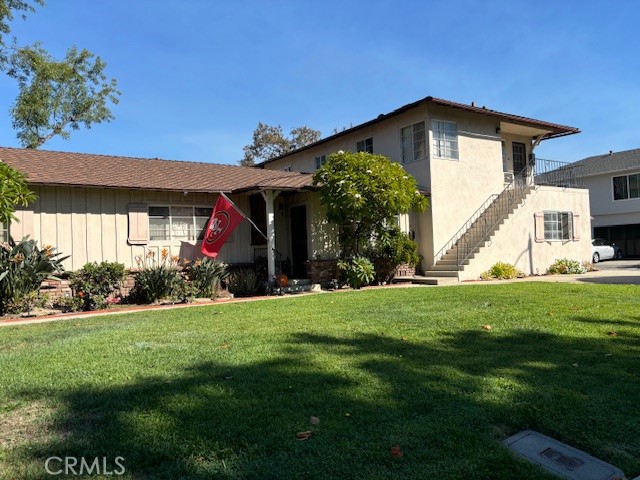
(613, 180)
(479, 169)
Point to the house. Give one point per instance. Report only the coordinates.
(477, 165)
(490, 198)
(613, 180)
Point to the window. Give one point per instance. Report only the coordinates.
(258, 209)
(4, 232)
(414, 143)
(320, 160)
(626, 186)
(558, 226)
(445, 139)
(175, 223)
(365, 145)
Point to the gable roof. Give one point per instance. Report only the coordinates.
(609, 163)
(44, 167)
(556, 130)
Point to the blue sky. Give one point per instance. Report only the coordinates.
(197, 76)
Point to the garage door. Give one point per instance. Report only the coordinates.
(626, 237)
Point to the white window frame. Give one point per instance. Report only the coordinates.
(195, 228)
(627, 184)
(408, 142)
(444, 145)
(559, 231)
(320, 161)
(365, 145)
(4, 232)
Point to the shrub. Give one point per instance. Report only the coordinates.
(68, 304)
(390, 249)
(98, 284)
(205, 275)
(358, 271)
(243, 283)
(566, 266)
(23, 267)
(501, 271)
(156, 279)
(28, 302)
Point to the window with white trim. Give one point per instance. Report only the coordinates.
(558, 226)
(445, 139)
(413, 140)
(175, 223)
(365, 145)
(4, 232)
(320, 160)
(626, 186)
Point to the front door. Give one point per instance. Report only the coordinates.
(519, 160)
(299, 253)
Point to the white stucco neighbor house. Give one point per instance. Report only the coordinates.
(613, 180)
(490, 199)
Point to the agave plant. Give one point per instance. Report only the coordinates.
(23, 267)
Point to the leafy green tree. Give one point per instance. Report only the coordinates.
(58, 96)
(362, 193)
(13, 192)
(271, 142)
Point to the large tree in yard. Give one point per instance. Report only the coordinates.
(362, 194)
(271, 142)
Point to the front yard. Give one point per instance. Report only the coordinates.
(221, 391)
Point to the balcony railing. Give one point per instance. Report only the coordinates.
(557, 174)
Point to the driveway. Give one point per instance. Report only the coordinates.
(614, 271)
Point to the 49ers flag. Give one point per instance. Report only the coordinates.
(224, 219)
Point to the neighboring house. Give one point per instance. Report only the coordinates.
(476, 165)
(613, 180)
(479, 169)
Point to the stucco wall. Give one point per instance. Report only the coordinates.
(515, 242)
(91, 224)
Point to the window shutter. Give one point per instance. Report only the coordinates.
(539, 226)
(576, 226)
(138, 224)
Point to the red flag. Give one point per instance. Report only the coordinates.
(224, 219)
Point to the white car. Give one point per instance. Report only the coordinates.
(601, 249)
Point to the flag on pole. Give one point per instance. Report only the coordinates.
(224, 220)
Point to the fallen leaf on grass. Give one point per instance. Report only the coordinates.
(314, 420)
(612, 334)
(486, 327)
(608, 354)
(224, 345)
(303, 435)
(396, 452)
(576, 365)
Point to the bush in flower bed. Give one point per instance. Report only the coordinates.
(98, 284)
(205, 275)
(566, 266)
(501, 271)
(157, 279)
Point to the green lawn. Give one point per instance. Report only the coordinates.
(220, 391)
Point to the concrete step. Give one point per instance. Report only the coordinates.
(315, 287)
(298, 282)
(425, 280)
(445, 267)
(441, 273)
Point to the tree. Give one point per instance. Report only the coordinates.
(13, 192)
(55, 96)
(362, 193)
(270, 142)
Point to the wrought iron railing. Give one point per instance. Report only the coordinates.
(557, 174)
(484, 221)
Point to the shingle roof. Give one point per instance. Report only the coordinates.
(609, 163)
(556, 129)
(80, 169)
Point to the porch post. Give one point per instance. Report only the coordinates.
(269, 197)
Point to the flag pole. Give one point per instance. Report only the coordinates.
(247, 218)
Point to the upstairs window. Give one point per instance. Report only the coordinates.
(175, 223)
(365, 145)
(626, 186)
(320, 160)
(558, 226)
(445, 139)
(4, 232)
(414, 142)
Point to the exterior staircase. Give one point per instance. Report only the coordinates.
(478, 231)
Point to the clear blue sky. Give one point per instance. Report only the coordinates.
(197, 76)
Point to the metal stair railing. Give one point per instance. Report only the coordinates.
(482, 223)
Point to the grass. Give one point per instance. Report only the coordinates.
(220, 391)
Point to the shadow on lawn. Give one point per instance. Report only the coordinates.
(438, 401)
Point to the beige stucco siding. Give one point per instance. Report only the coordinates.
(91, 224)
(605, 210)
(515, 241)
